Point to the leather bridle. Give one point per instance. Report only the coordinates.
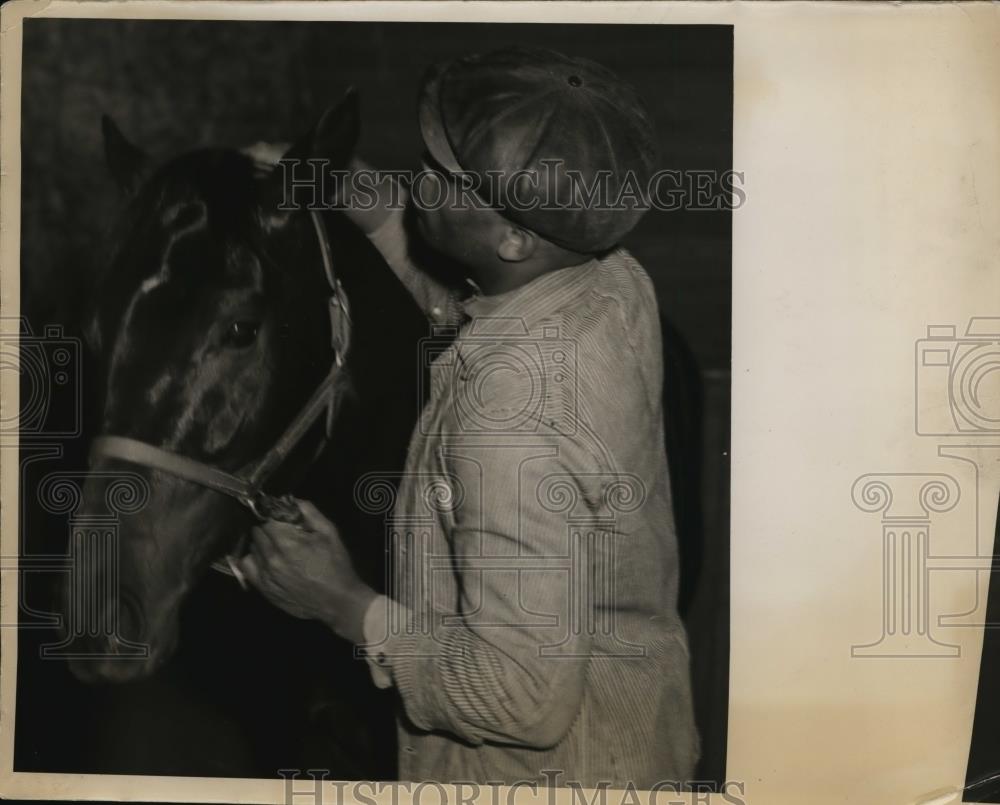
(247, 485)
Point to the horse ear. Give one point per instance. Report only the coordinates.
(331, 141)
(336, 134)
(126, 162)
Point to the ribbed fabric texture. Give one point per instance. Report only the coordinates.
(533, 628)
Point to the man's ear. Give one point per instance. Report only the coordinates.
(127, 163)
(516, 244)
(331, 140)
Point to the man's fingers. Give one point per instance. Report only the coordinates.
(272, 541)
(314, 519)
(250, 569)
(273, 536)
(263, 542)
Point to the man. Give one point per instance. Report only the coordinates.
(531, 631)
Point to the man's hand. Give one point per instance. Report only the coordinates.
(307, 572)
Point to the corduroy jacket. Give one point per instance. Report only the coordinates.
(531, 628)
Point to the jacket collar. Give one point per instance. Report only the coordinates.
(524, 307)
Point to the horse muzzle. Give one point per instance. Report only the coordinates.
(115, 644)
(119, 620)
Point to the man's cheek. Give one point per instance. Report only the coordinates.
(423, 225)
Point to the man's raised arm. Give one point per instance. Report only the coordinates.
(376, 204)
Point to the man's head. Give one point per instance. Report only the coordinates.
(536, 161)
(499, 253)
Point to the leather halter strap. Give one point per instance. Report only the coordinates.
(246, 486)
(144, 454)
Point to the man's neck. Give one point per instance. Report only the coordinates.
(520, 274)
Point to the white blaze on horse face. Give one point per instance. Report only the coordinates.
(189, 216)
(193, 217)
(197, 216)
(150, 283)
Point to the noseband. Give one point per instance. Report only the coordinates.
(247, 485)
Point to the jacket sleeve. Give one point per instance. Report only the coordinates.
(438, 302)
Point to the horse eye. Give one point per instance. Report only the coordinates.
(242, 333)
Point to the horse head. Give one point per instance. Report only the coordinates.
(212, 330)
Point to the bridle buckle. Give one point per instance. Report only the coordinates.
(282, 508)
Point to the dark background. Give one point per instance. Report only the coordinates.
(172, 86)
(175, 85)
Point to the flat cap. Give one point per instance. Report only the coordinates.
(560, 145)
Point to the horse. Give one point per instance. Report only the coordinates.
(246, 351)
